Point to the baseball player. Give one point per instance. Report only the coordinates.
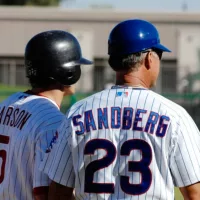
(128, 142)
(28, 120)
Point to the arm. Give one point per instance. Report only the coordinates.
(41, 193)
(41, 181)
(58, 163)
(41, 197)
(58, 191)
(185, 162)
(191, 192)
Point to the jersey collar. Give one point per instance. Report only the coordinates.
(128, 87)
(38, 94)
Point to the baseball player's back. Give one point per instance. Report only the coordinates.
(27, 126)
(126, 143)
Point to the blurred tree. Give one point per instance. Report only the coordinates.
(13, 2)
(31, 2)
(43, 2)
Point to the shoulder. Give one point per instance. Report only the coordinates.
(38, 103)
(178, 115)
(12, 98)
(79, 106)
(45, 114)
(169, 104)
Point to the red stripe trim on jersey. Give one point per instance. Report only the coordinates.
(41, 190)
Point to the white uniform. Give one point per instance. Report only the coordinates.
(125, 143)
(27, 126)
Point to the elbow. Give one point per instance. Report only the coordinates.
(194, 196)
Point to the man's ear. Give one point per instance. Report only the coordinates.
(148, 61)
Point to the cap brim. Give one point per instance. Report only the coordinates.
(84, 61)
(161, 47)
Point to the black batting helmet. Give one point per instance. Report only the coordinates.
(54, 55)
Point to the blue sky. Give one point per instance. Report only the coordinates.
(137, 5)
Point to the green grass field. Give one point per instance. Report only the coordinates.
(6, 91)
(178, 195)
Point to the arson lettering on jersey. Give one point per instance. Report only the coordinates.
(14, 117)
(125, 119)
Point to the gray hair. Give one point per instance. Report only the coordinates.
(133, 61)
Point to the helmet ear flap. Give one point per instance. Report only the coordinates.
(68, 75)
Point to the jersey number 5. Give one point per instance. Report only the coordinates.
(3, 140)
(141, 166)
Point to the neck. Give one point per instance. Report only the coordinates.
(131, 79)
(55, 95)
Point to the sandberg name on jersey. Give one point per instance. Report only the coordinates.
(124, 119)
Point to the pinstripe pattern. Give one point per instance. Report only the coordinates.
(175, 151)
(26, 146)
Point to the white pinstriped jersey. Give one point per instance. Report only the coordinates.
(125, 143)
(27, 126)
